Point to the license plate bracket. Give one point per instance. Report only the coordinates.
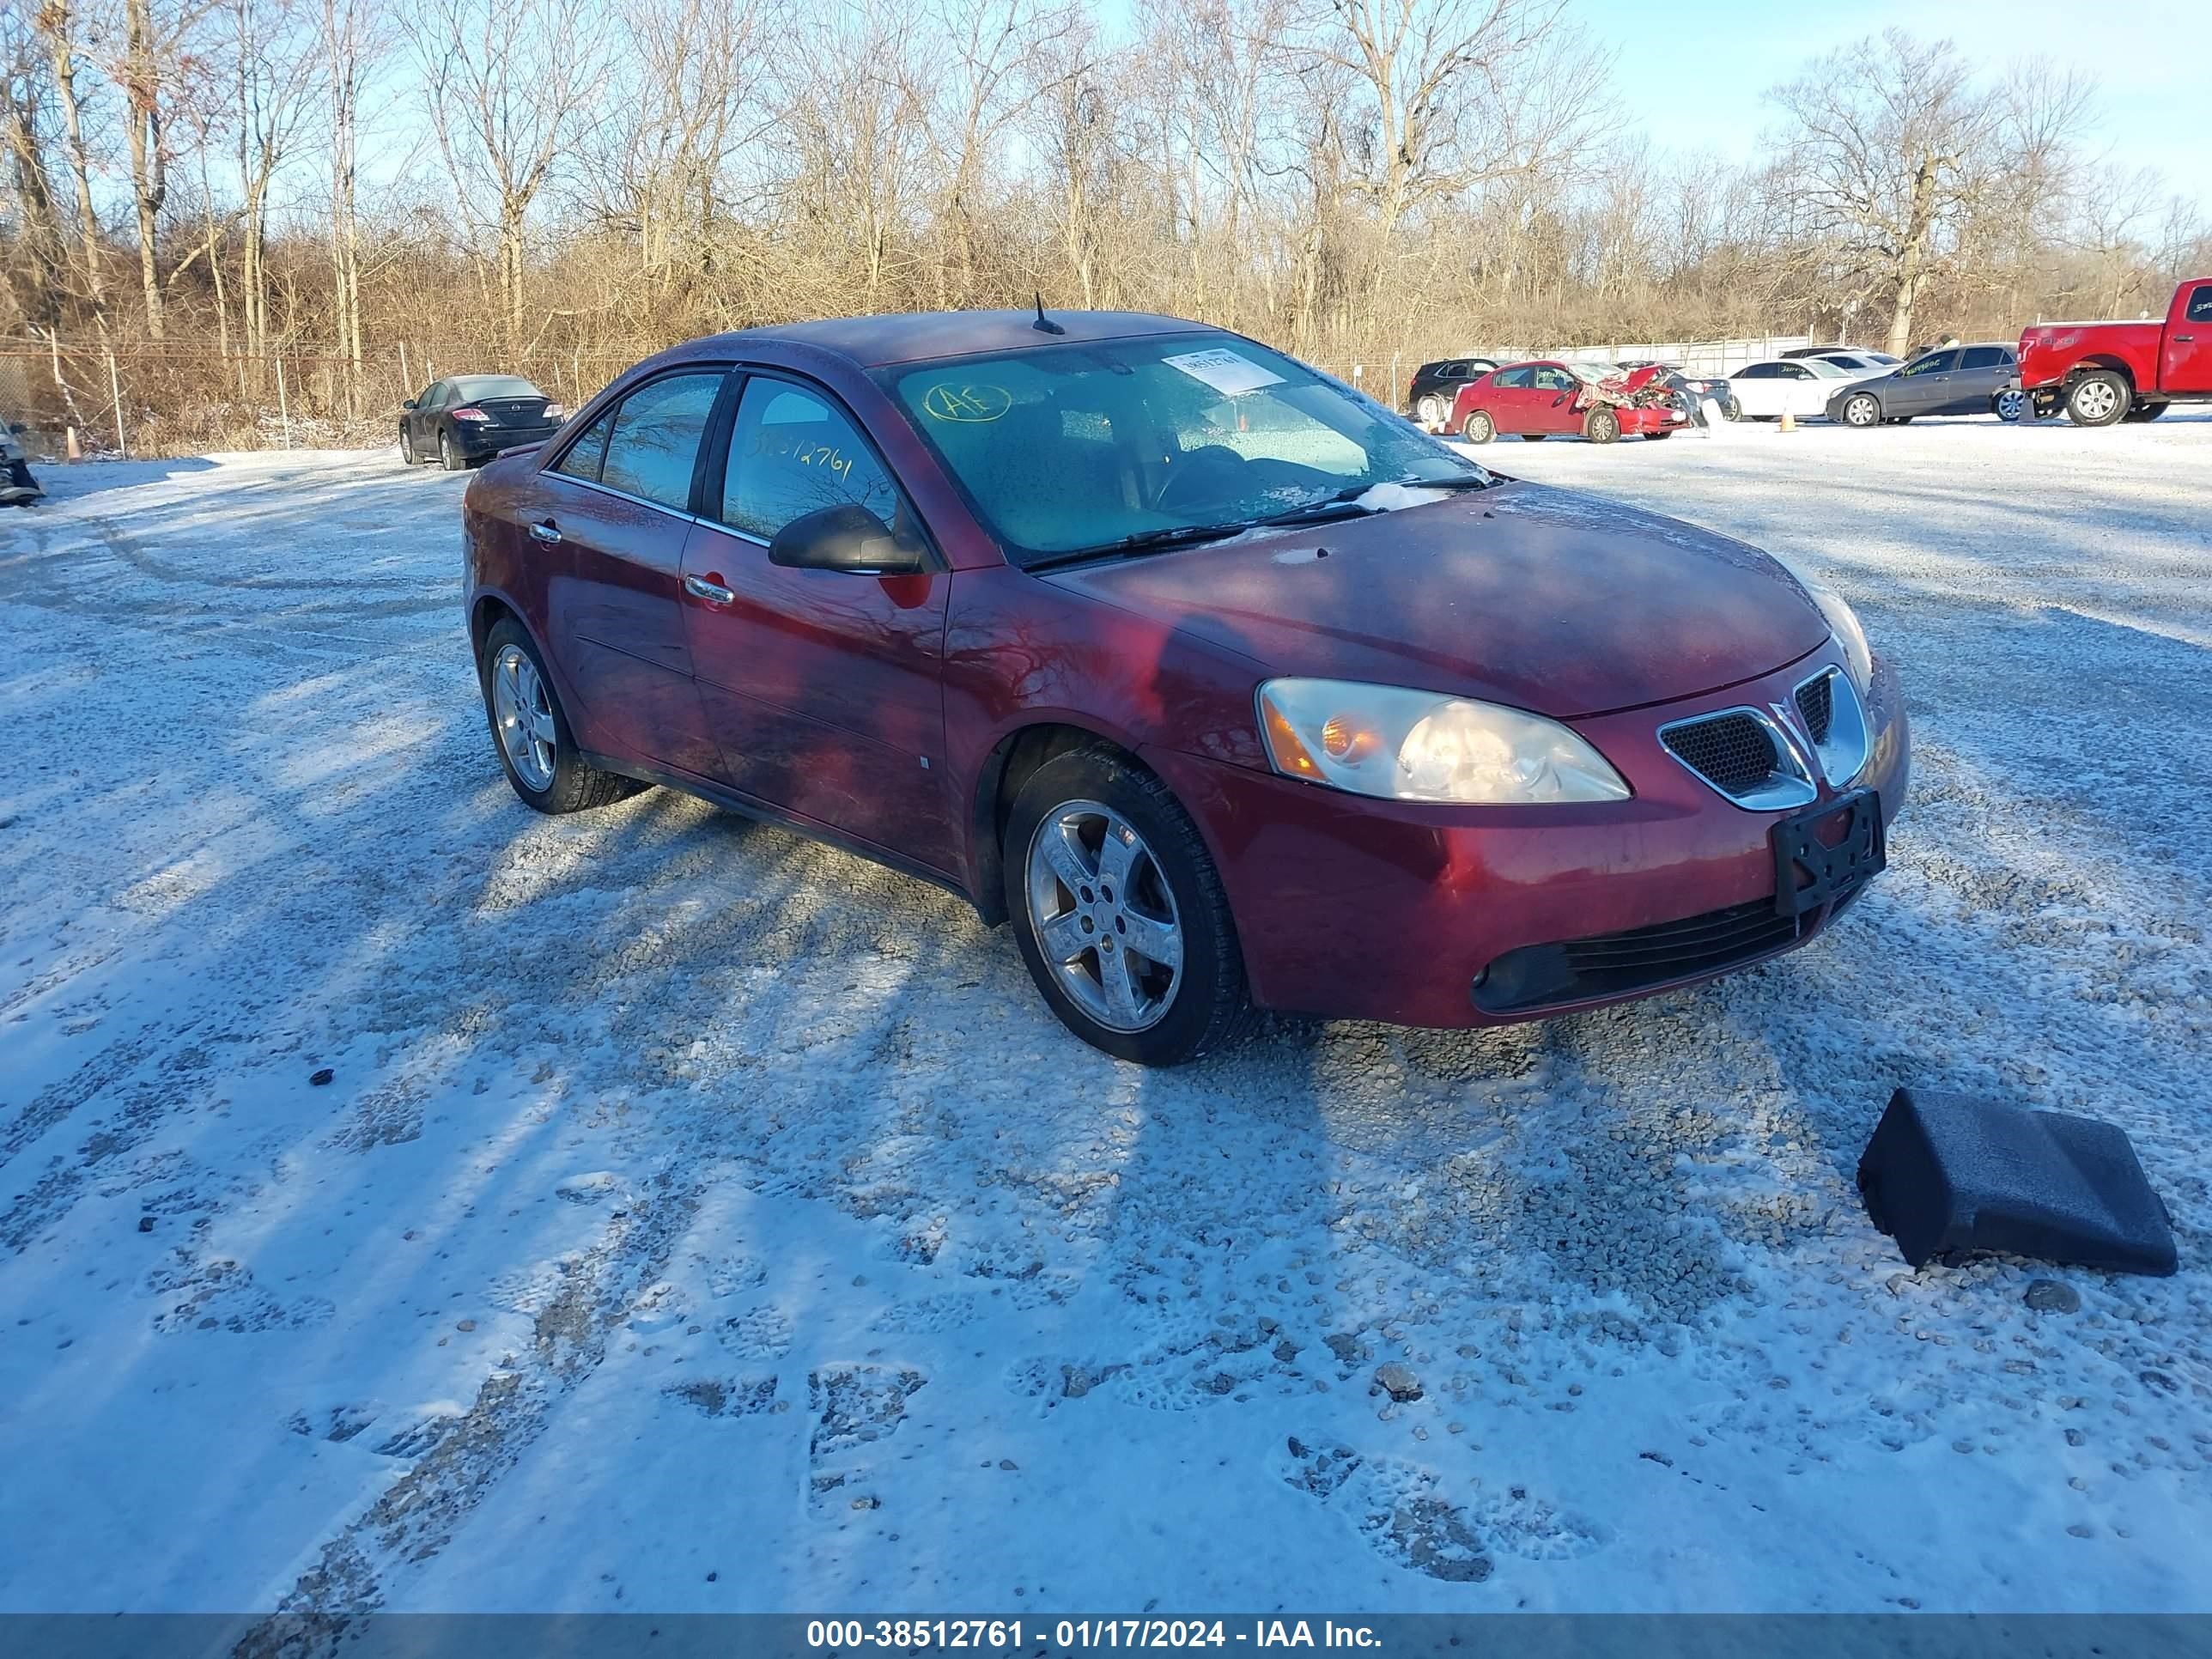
(1808, 873)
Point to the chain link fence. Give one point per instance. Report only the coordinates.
(101, 397)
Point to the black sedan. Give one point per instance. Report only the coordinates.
(468, 418)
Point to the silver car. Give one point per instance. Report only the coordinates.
(1967, 379)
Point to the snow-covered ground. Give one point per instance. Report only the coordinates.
(698, 1218)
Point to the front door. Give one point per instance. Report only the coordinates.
(2185, 363)
(421, 430)
(824, 688)
(1923, 385)
(616, 508)
(1552, 405)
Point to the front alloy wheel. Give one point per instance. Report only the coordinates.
(1120, 913)
(1861, 411)
(1103, 916)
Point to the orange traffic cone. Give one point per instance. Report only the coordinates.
(1788, 422)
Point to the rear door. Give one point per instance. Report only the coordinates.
(824, 688)
(1758, 388)
(618, 506)
(1983, 372)
(1504, 397)
(2186, 360)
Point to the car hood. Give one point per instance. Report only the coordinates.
(1543, 599)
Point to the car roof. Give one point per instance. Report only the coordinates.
(915, 336)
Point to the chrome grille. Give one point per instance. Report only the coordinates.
(1816, 702)
(1733, 752)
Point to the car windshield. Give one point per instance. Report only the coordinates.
(1067, 448)
(1826, 370)
(495, 386)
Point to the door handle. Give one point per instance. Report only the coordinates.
(706, 587)
(2183, 339)
(548, 532)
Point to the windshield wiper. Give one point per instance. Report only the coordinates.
(1144, 541)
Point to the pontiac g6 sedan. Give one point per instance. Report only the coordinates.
(1226, 686)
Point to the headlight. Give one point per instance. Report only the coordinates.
(1414, 746)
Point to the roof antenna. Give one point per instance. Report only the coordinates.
(1044, 325)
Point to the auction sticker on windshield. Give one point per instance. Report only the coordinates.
(1225, 371)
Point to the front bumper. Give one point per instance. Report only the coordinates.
(1349, 908)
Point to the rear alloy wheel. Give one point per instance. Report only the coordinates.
(1431, 411)
(1601, 425)
(1863, 410)
(2098, 398)
(535, 744)
(1119, 914)
(448, 456)
(2144, 412)
(1480, 428)
(2010, 405)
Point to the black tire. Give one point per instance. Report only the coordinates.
(2099, 398)
(1898, 420)
(407, 456)
(1479, 428)
(1534, 437)
(2142, 412)
(575, 787)
(1601, 425)
(1862, 410)
(448, 456)
(1210, 1006)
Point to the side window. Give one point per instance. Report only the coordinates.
(1553, 380)
(1794, 372)
(434, 398)
(1986, 358)
(1936, 362)
(2200, 305)
(1513, 377)
(791, 454)
(426, 397)
(1758, 372)
(584, 456)
(1452, 371)
(655, 441)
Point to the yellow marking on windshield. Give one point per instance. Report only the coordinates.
(947, 402)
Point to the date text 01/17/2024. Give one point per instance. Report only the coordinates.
(1075, 1635)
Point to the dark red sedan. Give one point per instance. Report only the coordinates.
(1226, 685)
(1541, 400)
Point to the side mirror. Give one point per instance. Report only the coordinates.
(410, 404)
(846, 537)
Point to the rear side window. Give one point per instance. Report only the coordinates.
(1759, 372)
(2200, 305)
(1513, 377)
(1986, 358)
(584, 456)
(791, 454)
(655, 442)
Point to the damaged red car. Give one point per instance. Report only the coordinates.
(1225, 686)
(1551, 399)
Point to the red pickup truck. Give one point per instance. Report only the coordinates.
(2107, 371)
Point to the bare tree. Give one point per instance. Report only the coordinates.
(507, 84)
(60, 24)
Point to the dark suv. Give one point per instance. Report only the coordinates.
(1428, 398)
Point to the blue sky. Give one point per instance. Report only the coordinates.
(2149, 58)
